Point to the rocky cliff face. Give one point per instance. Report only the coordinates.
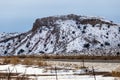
(69, 34)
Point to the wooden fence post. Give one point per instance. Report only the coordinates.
(93, 73)
(56, 73)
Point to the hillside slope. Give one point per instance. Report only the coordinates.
(68, 34)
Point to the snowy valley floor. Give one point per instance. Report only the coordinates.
(57, 69)
(35, 73)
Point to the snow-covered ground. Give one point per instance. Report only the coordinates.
(46, 74)
(73, 77)
(100, 66)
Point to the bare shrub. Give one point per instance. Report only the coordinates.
(6, 60)
(14, 60)
(115, 74)
(41, 63)
(27, 61)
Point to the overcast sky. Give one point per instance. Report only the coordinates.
(19, 15)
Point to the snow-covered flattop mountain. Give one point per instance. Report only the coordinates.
(68, 34)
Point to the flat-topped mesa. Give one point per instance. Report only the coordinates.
(50, 21)
(67, 35)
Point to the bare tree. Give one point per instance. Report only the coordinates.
(93, 71)
(56, 73)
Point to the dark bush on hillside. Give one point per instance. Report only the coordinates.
(30, 51)
(107, 33)
(93, 25)
(45, 45)
(73, 32)
(84, 27)
(78, 27)
(21, 51)
(101, 45)
(16, 43)
(107, 43)
(19, 40)
(118, 45)
(118, 53)
(95, 41)
(42, 52)
(28, 44)
(46, 49)
(77, 22)
(108, 26)
(51, 42)
(5, 52)
(63, 37)
(83, 32)
(86, 45)
(119, 29)
(40, 31)
(106, 37)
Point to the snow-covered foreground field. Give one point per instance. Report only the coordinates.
(104, 65)
(73, 77)
(47, 73)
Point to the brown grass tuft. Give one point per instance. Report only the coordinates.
(115, 74)
(14, 60)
